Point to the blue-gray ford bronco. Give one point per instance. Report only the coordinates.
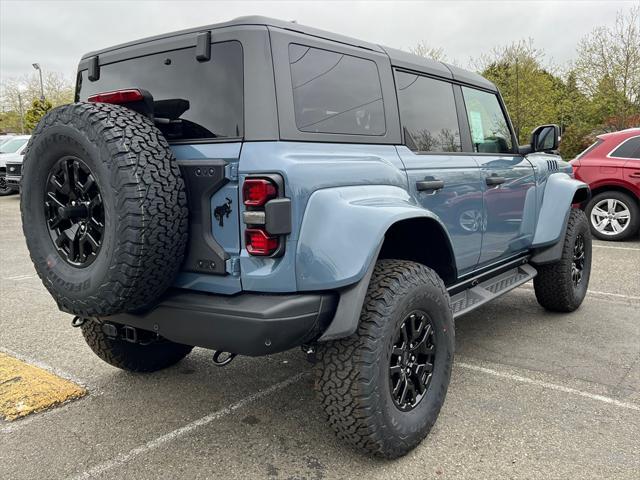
(257, 185)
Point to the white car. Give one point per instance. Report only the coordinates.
(11, 151)
(6, 138)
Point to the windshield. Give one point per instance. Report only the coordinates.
(12, 146)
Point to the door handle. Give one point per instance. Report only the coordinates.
(635, 175)
(434, 185)
(495, 180)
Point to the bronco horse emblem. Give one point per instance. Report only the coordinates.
(222, 211)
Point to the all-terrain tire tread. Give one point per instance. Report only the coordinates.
(152, 219)
(130, 356)
(344, 375)
(552, 285)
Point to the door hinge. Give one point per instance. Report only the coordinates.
(231, 171)
(232, 266)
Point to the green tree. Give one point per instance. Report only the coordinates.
(530, 91)
(37, 110)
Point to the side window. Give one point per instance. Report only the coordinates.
(628, 149)
(489, 128)
(428, 113)
(335, 93)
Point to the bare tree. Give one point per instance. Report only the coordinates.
(424, 50)
(57, 89)
(608, 64)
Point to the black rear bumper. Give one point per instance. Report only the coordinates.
(247, 324)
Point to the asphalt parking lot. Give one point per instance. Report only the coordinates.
(533, 395)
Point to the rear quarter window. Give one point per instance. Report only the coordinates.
(192, 100)
(590, 148)
(630, 148)
(335, 93)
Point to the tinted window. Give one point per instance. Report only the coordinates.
(428, 114)
(192, 99)
(628, 149)
(335, 93)
(489, 128)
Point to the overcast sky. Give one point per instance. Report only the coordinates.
(57, 33)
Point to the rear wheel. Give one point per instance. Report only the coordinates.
(562, 285)
(148, 354)
(613, 216)
(382, 388)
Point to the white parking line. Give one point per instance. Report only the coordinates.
(528, 286)
(615, 248)
(618, 295)
(17, 278)
(123, 458)
(551, 386)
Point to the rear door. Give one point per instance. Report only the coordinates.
(445, 180)
(629, 153)
(508, 178)
(198, 106)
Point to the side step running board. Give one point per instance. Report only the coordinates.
(480, 294)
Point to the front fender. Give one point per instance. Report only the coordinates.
(342, 231)
(559, 193)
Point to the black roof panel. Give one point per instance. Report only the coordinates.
(398, 58)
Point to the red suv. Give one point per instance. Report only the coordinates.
(611, 167)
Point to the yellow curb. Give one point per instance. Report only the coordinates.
(26, 389)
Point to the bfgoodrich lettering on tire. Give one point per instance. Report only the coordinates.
(104, 209)
(382, 388)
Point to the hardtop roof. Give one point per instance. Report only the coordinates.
(397, 57)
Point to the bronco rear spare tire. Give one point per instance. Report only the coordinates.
(104, 209)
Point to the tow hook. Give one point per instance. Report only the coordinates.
(78, 321)
(222, 358)
(310, 352)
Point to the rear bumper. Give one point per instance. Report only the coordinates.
(247, 324)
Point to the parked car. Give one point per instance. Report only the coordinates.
(258, 185)
(611, 167)
(6, 138)
(11, 151)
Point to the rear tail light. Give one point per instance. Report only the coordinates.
(117, 97)
(258, 191)
(259, 242)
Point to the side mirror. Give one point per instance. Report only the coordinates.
(545, 138)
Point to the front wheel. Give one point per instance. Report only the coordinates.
(562, 285)
(382, 388)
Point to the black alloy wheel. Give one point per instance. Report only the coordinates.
(74, 211)
(411, 361)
